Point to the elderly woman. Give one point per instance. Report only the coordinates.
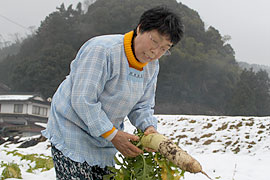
(112, 76)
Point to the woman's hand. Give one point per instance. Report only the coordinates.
(124, 146)
(150, 130)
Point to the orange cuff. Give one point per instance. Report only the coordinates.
(107, 134)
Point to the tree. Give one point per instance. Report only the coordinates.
(262, 89)
(43, 72)
(242, 101)
(196, 79)
(251, 95)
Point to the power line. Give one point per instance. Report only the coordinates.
(4, 17)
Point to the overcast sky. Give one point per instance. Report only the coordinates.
(246, 21)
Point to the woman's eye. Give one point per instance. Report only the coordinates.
(155, 42)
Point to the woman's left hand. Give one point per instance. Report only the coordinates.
(150, 130)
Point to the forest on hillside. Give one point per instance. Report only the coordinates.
(200, 77)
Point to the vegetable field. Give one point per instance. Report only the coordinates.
(228, 148)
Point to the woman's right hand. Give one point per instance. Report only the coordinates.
(122, 143)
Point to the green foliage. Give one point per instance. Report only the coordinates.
(42, 162)
(13, 49)
(11, 170)
(251, 94)
(198, 78)
(146, 166)
(45, 71)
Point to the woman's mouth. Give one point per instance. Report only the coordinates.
(147, 57)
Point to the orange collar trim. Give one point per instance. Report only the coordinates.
(133, 62)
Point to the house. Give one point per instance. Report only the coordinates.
(19, 113)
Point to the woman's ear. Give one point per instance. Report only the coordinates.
(138, 29)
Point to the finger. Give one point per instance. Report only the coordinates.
(133, 153)
(135, 149)
(129, 153)
(150, 150)
(149, 132)
(132, 137)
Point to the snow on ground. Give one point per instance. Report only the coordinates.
(228, 148)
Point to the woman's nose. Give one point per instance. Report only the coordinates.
(154, 52)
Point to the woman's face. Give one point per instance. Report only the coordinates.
(150, 45)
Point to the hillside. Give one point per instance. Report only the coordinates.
(200, 74)
(229, 148)
(255, 67)
(9, 50)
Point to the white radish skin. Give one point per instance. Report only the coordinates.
(172, 152)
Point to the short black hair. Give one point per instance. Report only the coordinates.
(165, 21)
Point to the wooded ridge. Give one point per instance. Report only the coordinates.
(200, 77)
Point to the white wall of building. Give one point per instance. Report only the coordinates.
(8, 107)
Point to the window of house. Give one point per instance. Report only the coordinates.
(43, 111)
(36, 110)
(40, 110)
(18, 108)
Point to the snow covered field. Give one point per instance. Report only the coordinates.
(228, 148)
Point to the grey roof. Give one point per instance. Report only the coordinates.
(15, 96)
